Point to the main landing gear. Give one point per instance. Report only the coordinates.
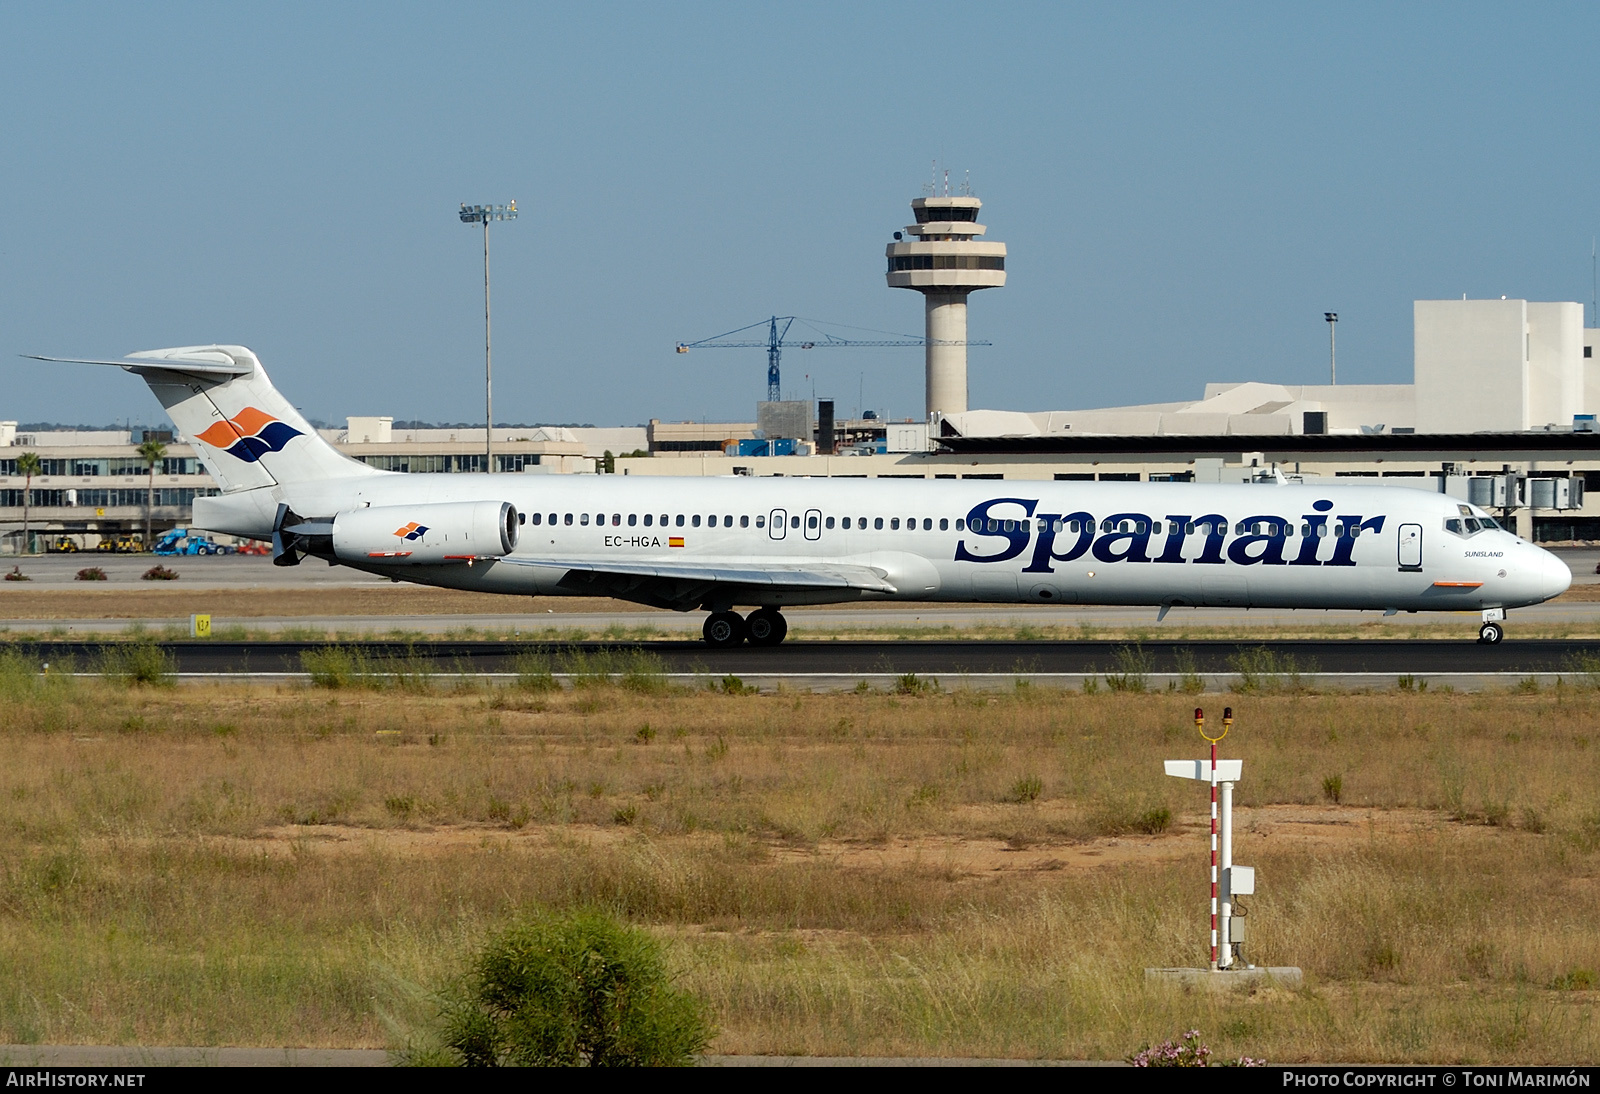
(1493, 629)
(763, 627)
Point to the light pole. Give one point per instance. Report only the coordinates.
(1332, 317)
(483, 214)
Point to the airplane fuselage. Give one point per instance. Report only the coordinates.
(1263, 545)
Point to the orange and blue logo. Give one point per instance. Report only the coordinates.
(411, 530)
(248, 435)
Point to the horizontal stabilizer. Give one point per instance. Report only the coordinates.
(214, 364)
(815, 577)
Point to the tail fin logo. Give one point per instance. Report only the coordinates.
(411, 530)
(248, 435)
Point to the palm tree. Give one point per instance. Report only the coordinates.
(152, 453)
(28, 466)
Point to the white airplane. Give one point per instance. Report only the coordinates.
(715, 544)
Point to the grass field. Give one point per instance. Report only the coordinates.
(908, 873)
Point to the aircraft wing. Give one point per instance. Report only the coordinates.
(673, 584)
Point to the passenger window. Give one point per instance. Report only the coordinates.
(744, 521)
(927, 524)
(538, 517)
(844, 522)
(894, 523)
(633, 519)
(616, 520)
(877, 522)
(829, 523)
(811, 522)
(680, 520)
(583, 518)
(727, 520)
(1305, 529)
(944, 524)
(694, 521)
(568, 520)
(961, 524)
(1188, 528)
(647, 517)
(761, 522)
(1139, 527)
(794, 522)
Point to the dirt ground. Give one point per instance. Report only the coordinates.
(1319, 828)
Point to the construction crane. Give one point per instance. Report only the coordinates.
(778, 337)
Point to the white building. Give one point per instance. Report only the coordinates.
(1479, 366)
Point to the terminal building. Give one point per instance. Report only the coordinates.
(1501, 410)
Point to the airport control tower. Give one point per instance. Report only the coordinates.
(944, 261)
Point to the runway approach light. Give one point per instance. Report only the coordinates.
(1228, 881)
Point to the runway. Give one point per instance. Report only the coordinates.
(851, 660)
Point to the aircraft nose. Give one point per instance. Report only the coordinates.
(1554, 577)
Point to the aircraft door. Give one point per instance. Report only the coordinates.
(1411, 546)
(813, 524)
(778, 523)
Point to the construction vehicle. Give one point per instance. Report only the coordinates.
(181, 541)
(63, 545)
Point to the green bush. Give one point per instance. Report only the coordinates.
(134, 663)
(1026, 789)
(566, 991)
(533, 672)
(1133, 669)
(335, 666)
(632, 670)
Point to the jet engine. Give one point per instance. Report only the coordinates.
(426, 534)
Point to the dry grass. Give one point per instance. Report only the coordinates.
(924, 874)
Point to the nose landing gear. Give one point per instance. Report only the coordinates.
(764, 627)
(1493, 628)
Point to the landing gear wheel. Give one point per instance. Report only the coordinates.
(767, 627)
(1490, 634)
(724, 630)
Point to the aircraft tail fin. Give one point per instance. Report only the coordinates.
(244, 431)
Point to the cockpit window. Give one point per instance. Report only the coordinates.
(1488, 522)
(1472, 524)
(1453, 526)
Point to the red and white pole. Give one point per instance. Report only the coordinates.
(1213, 856)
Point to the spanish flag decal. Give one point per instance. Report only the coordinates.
(674, 541)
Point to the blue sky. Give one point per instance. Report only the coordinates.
(1184, 190)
